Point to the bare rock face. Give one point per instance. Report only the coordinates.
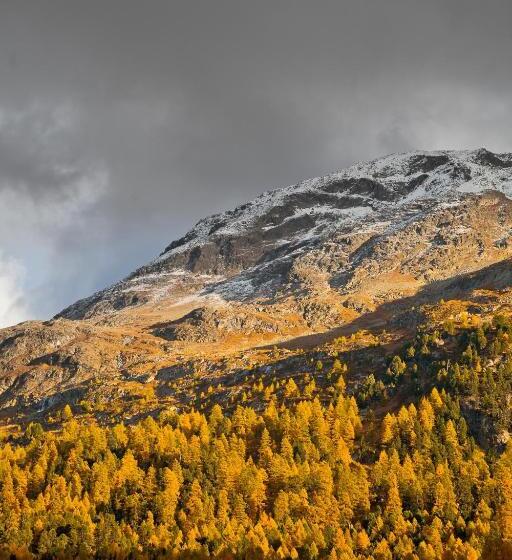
(294, 261)
(425, 215)
(445, 242)
(208, 325)
(28, 349)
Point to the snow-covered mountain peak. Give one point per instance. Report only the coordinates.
(253, 247)
(358, 191)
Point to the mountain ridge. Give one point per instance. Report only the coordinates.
(272, 231)
(363, 249)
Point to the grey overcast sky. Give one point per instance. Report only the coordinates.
(124, 122)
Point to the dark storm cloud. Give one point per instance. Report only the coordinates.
(153, 114)
(34, 155)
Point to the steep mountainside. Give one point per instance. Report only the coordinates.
(409, 214)
(325, 372)
(363, 248)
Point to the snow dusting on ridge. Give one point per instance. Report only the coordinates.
(462, 173)
(241, 251)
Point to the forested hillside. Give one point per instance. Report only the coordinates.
(336, 471)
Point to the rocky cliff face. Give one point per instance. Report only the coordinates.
(295, 261)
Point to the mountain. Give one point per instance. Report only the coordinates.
(398, 214)
(362, 248)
